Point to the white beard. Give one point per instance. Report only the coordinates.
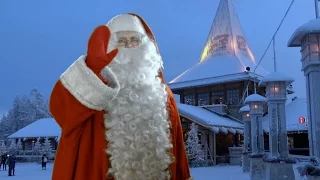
(137, 122)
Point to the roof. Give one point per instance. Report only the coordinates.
(294, 110)
(214, 80)
(276, 77)
(225, 53)
(312, 26)
(46, 127)
(255, 98)
(208, 118)
(245, 108)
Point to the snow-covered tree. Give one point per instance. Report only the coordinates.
(25, 110)
(37, 147)
(195, 152)
(40, 106)
(46, 147)
(3, 147)
(13, 148)
(19, 145)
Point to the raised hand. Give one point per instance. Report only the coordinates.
(97, 56)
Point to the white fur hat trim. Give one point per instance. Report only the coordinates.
(126, 22)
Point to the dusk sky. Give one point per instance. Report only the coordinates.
(39, 39)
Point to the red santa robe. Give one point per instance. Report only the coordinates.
(78, 103)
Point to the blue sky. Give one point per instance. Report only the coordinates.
(39, 39)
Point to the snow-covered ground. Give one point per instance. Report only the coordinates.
(32, 171)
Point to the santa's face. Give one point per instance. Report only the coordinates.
(128, 39)
(137, 53)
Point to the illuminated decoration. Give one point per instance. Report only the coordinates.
(302, 120)
(226, 35)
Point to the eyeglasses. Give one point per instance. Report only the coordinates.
(128, 39)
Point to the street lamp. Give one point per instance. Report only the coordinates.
(245, 111)
(256, 102)
(307, 37)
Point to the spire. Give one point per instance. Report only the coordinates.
(226, 36)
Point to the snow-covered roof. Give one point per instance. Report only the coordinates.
(294, 110)
(47, 127)
(255, 98)
(276, 77)
(214, 80)
(312, 26)
(225, 53)
(245, 108)
(208, 118)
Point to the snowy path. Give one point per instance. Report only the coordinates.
(32, 171)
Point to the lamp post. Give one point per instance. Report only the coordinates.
(276, 94)
(307, 37)
(245, 110)
(256, 103)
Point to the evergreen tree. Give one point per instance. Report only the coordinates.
(46, 147)
(195, 152)
(37, 147)
(40, 107)
(24, 111)
(3, 147)
(13, 148)
(19, 145)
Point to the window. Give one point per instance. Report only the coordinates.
(217, 97)
(203, 99)
(190, 99)
(233, 96)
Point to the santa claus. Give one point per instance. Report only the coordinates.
(118, 117)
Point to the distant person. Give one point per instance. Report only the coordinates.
(11, 161)
(3, 161)
(44, 162)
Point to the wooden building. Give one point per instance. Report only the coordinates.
(40, 129)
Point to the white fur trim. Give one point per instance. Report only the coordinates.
(87, 88)
(126, 22)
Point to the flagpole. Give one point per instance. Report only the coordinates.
(317, 8)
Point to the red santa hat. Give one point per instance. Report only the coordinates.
(131, 22)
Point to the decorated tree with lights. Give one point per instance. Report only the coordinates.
(195, 152)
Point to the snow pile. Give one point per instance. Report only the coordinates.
(276, 77)
(245, 108)
(46, 127)
(255, 98)
(206, 117)
(312, 26)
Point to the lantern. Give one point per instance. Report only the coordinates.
(244, 110)
(310, 49)
(276, 85)
(255, 102)
(307, 37)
